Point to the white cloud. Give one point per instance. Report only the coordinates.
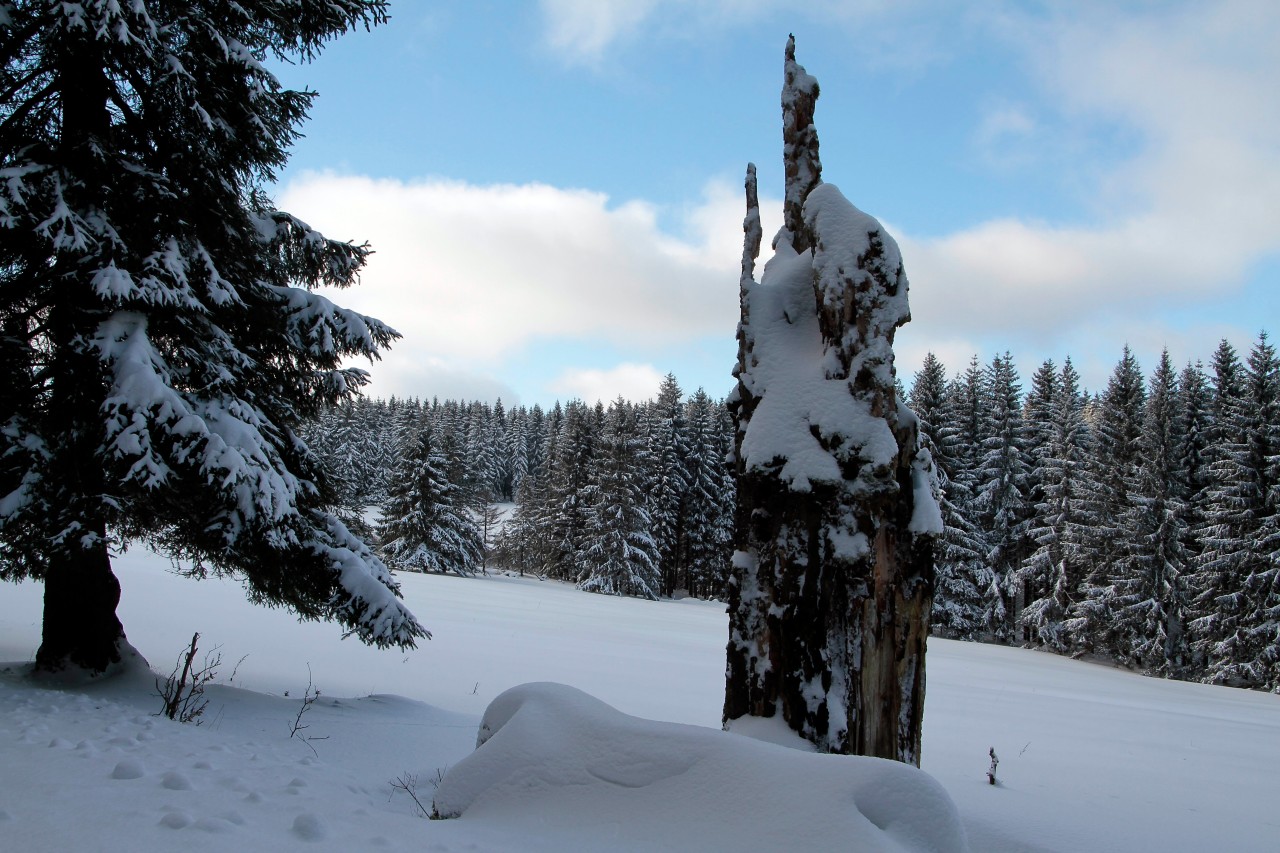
(406, 372)
(1007, 137)
(1180, 224)
(583, 29)
(633, 382)
(904, 34)
(472, 275)
(478, 272)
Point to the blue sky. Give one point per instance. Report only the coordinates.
(554, 193)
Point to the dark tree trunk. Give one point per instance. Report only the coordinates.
(832, 588)
(80, 624)
(80, 592)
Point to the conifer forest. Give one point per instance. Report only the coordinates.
(1138, 524)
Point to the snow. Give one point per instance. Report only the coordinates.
(926, 515)
(1091, 758)
(809, 421)
(551, 754)
(796, 398)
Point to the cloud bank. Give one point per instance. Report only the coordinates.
(476, 277)
(473, 276)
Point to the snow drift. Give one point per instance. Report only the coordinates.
(548, 754)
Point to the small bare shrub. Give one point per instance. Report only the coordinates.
(183, 690)
(309, 697)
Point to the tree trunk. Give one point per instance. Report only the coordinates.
(80, 592)
(80, 625)
(832, 589)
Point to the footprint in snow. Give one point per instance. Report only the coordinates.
(176, 820)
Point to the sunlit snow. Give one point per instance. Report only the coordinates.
(1091, 758)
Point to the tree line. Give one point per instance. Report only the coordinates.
(626, 499)
(1139, 524)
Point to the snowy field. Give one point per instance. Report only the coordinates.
(1091, 758)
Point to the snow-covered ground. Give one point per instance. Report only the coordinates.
(1091, 758)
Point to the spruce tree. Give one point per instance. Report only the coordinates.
(1148, 614)
(569, 486)
(960, 450)
(1001, 500)
(928, 397)
(517, 443)
(962, 578)
(1218, 574)
(161, 339)
(1239, 594)
(1194, 431)
(709, 515)
(1119, 415)
(669, 452)
(618, 555)
(426, 526)
(1060, 527)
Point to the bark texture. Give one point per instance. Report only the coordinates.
(832, 585)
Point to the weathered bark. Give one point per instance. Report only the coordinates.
(832, 585)
(803, 167)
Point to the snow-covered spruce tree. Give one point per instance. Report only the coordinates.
(619, 555)
(709, 517)
(528, 540)
(522, 542)
(425, 523)
(833, 574)
(963, 579)
(1150, 575)
(669, 452)
(1053, 572)
(960, 438)
(1194, 428)
(569, 486)
(517, 444)
(1001, 503)
(1120, 413)
(1237, 584)
(928, 396)
(161, 341)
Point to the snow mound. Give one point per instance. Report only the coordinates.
(551, 757)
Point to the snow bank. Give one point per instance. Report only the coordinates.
(556, 759)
